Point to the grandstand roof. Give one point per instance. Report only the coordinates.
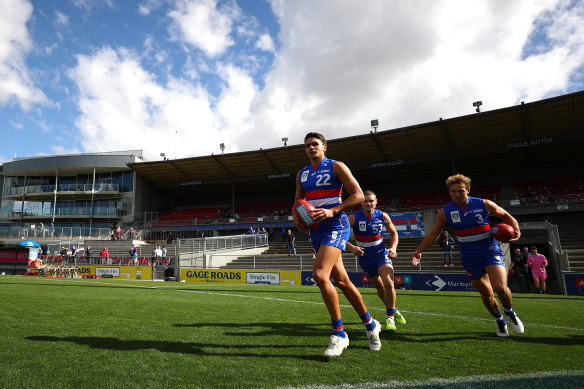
(480, 141)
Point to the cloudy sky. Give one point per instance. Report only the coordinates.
(182, 76)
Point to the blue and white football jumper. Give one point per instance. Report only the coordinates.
(473, 230)
(323, 189)
(369, 236)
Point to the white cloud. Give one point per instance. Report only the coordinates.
(17, 125)
(88, 5)
(343, 63)
(123, 105)
(146, 7)
(265, 43)
(16, 81)
(61, 19)
(60, 150)
(200, 24)
(339, 64)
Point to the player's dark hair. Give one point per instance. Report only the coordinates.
(532, 247)
(315, 135)
(369, 193)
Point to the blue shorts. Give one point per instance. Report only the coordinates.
(370, 264)
(332, 232)
(475, 265)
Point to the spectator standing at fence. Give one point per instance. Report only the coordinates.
(538, 263)
(481, 256)
(134, 255)
(447, 245)
(88, 251)
(73, 253)
(291, 241)
(270, 234)
(104, 255)
(63, 253)
(163, 252)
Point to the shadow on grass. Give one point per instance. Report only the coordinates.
(571, 340)
(194, 348)
(279, 329)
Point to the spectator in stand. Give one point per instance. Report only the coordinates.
(163, 252)
(538, 263)
(291, 239)
(119, 233)
(73, 253)
(528, 197)
(270, 234)
(134, 255)
(88, 251)
(63, 253)
(156, 253)
(519, 269)
(550, 196)
(251, 231)
(103, 256)
(132, 233)
(284, 233)
(447, 244)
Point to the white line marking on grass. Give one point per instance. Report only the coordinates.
(180, 288)
(473, 380)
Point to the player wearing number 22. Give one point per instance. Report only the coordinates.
(321, 183)
(468, 217)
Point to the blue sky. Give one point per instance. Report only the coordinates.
(182, 76)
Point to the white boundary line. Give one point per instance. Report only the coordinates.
(180, 288)
(474, 381)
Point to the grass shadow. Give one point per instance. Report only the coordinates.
(436, 337)
(192, 348)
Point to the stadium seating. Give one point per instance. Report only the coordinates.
(436, 199)
(189, 216)
(550, 190)
(265, 209)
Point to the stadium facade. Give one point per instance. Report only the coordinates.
(85, 192)
(543, 139)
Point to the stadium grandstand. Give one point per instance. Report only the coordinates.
(527, 158)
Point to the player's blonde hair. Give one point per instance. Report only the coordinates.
(458, 179)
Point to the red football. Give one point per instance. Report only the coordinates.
(303, 211)
(503, 232)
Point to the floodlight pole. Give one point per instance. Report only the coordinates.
(375, 124)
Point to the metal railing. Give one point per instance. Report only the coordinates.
(63, 188)
(55, 232)
(82, 211)
(193, 252)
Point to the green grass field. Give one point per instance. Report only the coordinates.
(82, 333)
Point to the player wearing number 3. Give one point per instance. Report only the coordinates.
(481, 255)
(321, 183)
